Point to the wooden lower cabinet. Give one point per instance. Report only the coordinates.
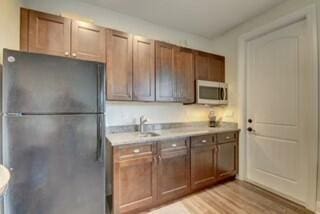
(134, 178)
(227, 159)
(174, 172)
(203, 166)
(149, 174)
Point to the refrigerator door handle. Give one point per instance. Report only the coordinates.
(100, 140)
(101, 88)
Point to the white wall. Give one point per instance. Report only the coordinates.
(9, 25)
(120, 113)
(227, 45)
(129, 113)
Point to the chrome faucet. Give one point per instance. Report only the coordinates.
(143, 120)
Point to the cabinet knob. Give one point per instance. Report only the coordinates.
(74, 54)
(66, 53)
(136, 151)
(203, 141)
(228, 137)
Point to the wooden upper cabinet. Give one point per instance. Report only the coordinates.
(165, 74)
(48, 34)
(184, 71)
(88, 41)
(217, 64)
(209, 67)
(143, 69)
(119, 65)
(202, 66)
(55, 35)
(24, 29)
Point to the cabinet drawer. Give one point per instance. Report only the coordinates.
(227, 137)
(204, 140)
(175, 144)
(133, 151)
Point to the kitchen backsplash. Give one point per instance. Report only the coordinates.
(127, 113)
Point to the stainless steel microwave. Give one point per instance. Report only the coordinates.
(211, 93)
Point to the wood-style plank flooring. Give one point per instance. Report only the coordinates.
(234, 197)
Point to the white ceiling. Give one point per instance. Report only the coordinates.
(207, 18)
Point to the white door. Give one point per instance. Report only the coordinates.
(280, 91)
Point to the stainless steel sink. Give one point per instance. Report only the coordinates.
(149, 134)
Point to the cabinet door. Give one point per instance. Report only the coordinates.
(88, 42)
(184, 69)
(48, 34)
(173, 173)
(143, 69)
(135, 184)
(165, 74)
(227, 159)
(202, 66)
(119, 65)
(203, 165)
(173, 169)
(209, 67)
(217, 67)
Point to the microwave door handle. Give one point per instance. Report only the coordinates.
(222, 94)
(225, 93)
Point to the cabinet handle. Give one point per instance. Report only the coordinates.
(66, 53)
(159, 157)
(228, 137)
(136, 151)
(74, 54)
(203, 141)
(174, 145)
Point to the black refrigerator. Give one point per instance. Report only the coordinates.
(52, 137)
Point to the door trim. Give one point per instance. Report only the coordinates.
(309, 14)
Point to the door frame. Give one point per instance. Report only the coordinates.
(309, 14)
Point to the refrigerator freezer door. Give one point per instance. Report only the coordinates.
(55, 169)
(35, 83)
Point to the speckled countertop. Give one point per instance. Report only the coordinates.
(118, 139)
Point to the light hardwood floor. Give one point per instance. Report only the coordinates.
(234, 197)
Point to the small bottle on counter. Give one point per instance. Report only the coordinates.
(212, 119)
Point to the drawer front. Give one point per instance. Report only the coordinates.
(227, 137)
(175, 144)
(133, 151)
(205, 140)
